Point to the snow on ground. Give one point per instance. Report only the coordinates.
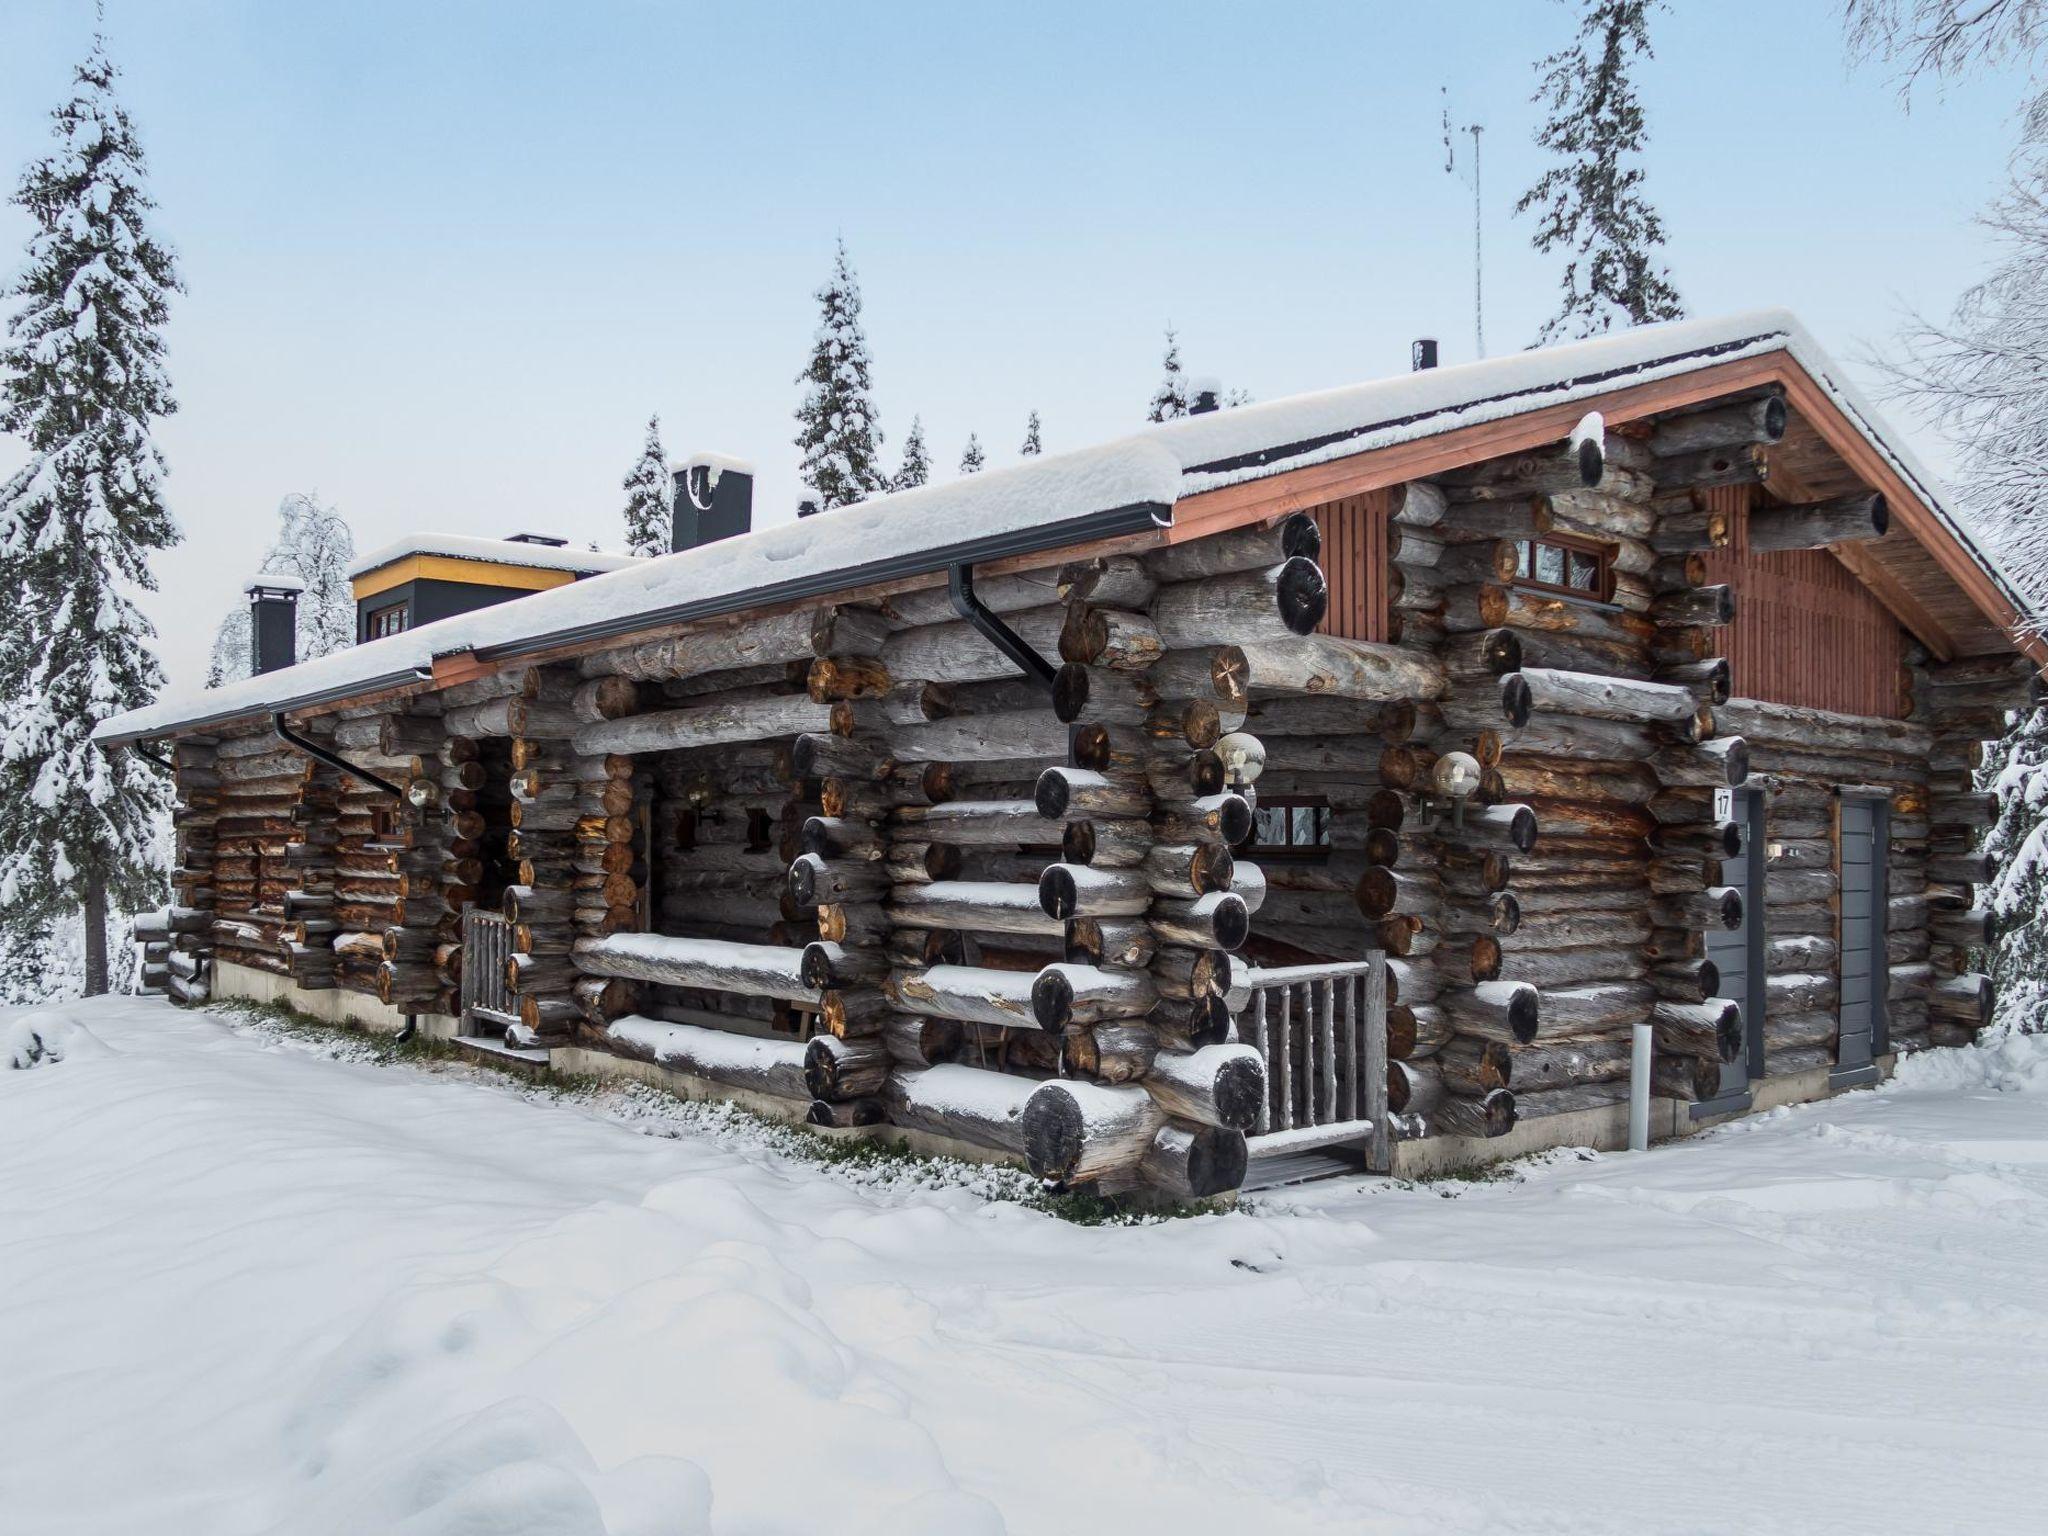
(245, 1288)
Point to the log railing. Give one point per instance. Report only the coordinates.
(1323, 1032)
(486, 994)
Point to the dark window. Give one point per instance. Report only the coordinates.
(1290, 826)
(1570, 566)
(386, 621)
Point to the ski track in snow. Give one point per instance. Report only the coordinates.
(247, 1288)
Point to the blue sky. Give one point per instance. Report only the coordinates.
(444, 259)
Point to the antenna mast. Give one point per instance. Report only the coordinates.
(1478, 248)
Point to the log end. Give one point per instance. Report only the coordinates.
(1052, 999)
(1728, 1031)
(1303, 594)
(1234, 820)
(1217, 1161)
(804, 873)
(1775, 419)
(1058, 896)
(1231, 921)
(1592, 462)
(1516, 701)
(1070, 692)
(1054, 1131)
(1524, 1013)
(1880, 515)
(814, 970)
(1240, 1090)
(1051, 794)
(1735, 755)
(1729, 901)
(1301, 535)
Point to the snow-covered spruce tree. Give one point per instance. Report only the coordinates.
(1591, 202)
(650, 497)
(2018, 963)
(916, 468)
(1032, 442)
(314, 544)
(84, 378)
(973, 460)
(1170, 399)
(837, 427)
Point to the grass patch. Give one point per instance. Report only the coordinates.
(879, 1162)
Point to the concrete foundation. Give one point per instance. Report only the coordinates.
(330, 1005)
(1605, 1129)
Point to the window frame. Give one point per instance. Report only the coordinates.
(373, 629)
(1254, 848)
(1568, 544)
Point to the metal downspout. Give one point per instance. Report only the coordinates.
(960, 588)
(320, 754)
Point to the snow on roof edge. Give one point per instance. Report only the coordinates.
(1161, 464)
(463, 546)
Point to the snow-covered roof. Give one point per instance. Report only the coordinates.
(461, 546)
(273, 581)
(1044, 503)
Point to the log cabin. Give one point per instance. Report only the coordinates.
(1342, 778)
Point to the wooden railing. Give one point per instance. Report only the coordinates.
(1323, 1032)
(486, 992)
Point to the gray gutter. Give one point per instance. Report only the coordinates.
(1112, 522)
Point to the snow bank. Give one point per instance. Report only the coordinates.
(252, 1289)
(2004, 1061)
(45, 1035)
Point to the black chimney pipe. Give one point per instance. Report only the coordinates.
(1422, 354)
(273, 623)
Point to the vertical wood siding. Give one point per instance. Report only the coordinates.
(1355, 564)
(1806, 632)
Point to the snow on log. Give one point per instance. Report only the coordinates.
(737, 1061)
(1075, 1132)
(757, 970)
(970, 993)
(1220, 1085)
(1195, 1162)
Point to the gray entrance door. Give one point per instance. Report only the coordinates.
(1862, 934)
(1738, 954)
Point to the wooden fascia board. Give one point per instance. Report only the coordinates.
(1296, 490)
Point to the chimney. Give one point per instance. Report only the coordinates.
(1203, 396)
(273, 622)
(714, 500)
(1422, 354)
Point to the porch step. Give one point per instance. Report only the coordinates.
(496, 1053)
(1283, 1166)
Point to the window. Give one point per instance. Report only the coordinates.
(386, 621)
(1573, 566)
(1290, 826)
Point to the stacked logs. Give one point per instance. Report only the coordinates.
(552, 901)
(1963, 703)
(1550, 977)
(306, 940)
(187, 927)
(259, 781)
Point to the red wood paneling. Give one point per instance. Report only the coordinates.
(1355, 565)
(1806, 632)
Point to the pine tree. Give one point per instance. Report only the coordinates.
(973, 459)
(916, 468)
(650, 497)
(2018, 895)
(1032, 444)
(84, 378)
(837, 427)
(1592, 201)
(314, 544)
(1170, 399)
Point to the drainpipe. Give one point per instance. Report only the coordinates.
(1640, 1057)
(960, 588)
(320, 754)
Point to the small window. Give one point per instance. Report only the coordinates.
(1564, 565)
(386, 621)
(1287, 826)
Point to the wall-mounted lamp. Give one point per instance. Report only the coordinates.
(1454, 780)
(1244, 759)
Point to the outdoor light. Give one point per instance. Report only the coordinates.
(423, 794)
(1454, 780)
(1244, 757)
